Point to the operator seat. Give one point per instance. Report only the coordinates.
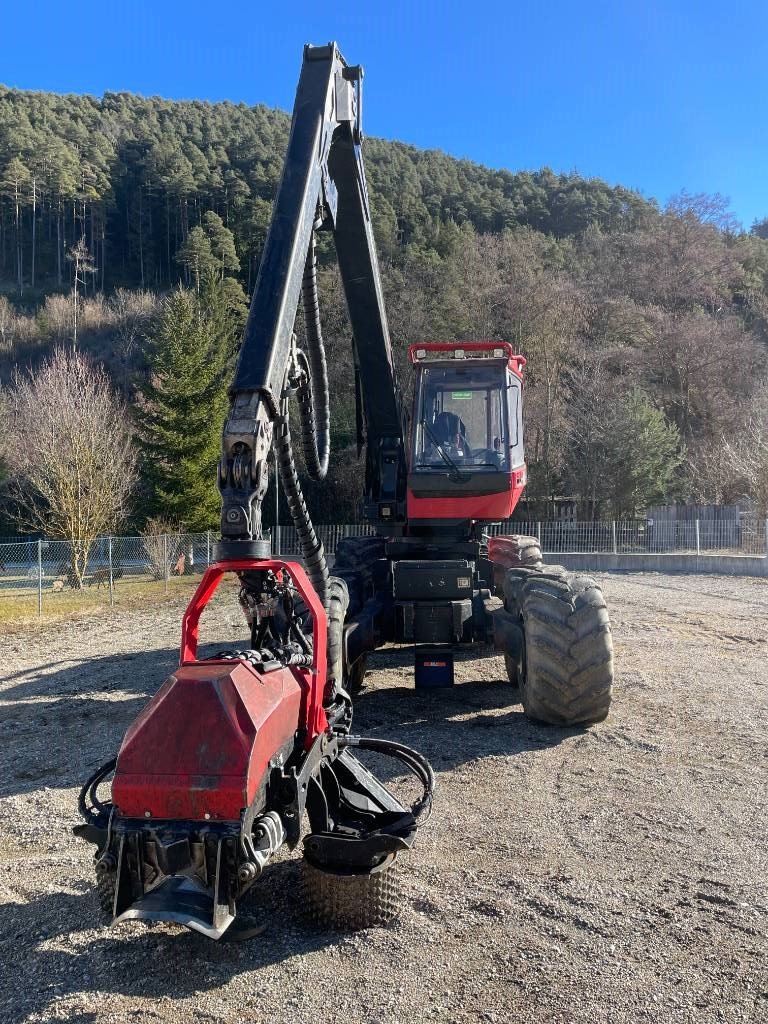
(447, 426)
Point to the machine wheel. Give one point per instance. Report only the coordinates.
(515, 580)
(350, 901)
(358, 552)
(515, 551)
(105, 890)
(568, 650)
(512, 586)
(337, 613)
(356, 675)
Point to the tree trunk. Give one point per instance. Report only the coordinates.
(168, 235)
(34, 225)
(19, 279)
(141, 237)
(58, 245)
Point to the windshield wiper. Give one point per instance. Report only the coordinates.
(455, 475)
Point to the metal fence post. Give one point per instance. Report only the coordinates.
(538, 533)
(40, 577)
(166, 573)
(207, 547)
(766, 538)
(111, 574)
(615, 544)
(698, 539)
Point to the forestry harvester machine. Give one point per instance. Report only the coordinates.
(219, 770)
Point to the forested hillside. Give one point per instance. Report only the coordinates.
(646, 329)
(133, 176)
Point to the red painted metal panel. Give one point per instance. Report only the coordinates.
(203, 744)
(313, 717)
(201, 748)
(490, 507)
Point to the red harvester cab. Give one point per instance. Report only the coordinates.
(467, 460)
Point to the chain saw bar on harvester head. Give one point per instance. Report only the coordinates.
(218, 771)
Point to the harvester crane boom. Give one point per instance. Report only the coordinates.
(323, 186)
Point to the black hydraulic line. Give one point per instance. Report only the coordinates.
(311, 547)
(300, 639)
(313, 395)
(88, 792)
(417, 764)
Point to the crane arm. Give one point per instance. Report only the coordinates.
(323, 186)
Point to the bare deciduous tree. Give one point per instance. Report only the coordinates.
(83, 264)
(162, 543)
(70, 453)
(747, 454)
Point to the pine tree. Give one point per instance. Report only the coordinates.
(222, 244)
(13, 183)
(644, 453)
(185, 401)
(196, 256)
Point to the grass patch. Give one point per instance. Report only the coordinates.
(21, 608)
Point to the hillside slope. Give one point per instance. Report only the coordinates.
(134, 175)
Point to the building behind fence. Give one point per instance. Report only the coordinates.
(39, 573)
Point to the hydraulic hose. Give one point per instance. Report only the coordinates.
(311, 546)
(416, 763)
(313, 395)
(88, 792)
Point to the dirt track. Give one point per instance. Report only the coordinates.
(615, 874)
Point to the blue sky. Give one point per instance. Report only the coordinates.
(655, 95)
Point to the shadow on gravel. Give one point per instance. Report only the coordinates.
(455, 725)
(47, 956)
(63, 724)
(135, 673)
(69, 721)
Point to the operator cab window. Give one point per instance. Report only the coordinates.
(461, 417)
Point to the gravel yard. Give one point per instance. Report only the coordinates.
(615, 874)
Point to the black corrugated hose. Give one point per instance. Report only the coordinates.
(314, 412)
(313, 395)
(88, 792)
(311, 547)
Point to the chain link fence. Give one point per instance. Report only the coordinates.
(44, 574)
(47, 575)
(745, 536)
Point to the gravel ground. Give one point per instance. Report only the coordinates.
(611, 874)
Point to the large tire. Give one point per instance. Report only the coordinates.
(356, 675)
(568, 650)
(350, 901)
(337, 613)
(358, 552)
(511, 552)
(360, 561)
(515, 580)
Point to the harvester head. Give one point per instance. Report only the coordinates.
(217, 772)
